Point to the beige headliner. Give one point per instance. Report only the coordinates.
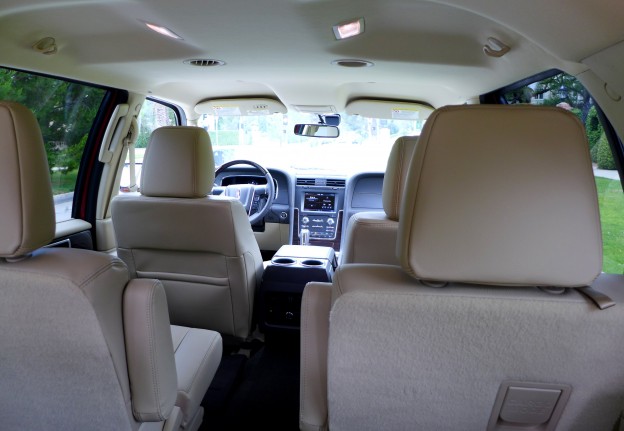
(430, 51)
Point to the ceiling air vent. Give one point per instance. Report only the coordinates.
(204, 62)
(352, 62)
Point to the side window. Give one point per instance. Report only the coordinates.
(567, 92)
(152, 116)
(65, 112)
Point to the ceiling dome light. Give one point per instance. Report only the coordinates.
(161, 30)
(352, 63)
(348, 29)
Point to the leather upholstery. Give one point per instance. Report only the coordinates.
(201, 247)
(499, 199)
(197, 358)
(396, 175)
(512, 191)
(183, 170)
(371, 236)
(148, 341)
(27, 210)
(315, 307)
(64, 354)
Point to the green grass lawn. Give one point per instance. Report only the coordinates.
(63, 183)
(611, 201)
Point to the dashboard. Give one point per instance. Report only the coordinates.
(317, 206)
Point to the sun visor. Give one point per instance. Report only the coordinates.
(240, 107)
(388, 109)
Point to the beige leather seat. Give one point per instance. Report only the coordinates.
(499, 200)
(201, 247)
(84, 348)
(198, 355)
(371, 235)
(81, 347)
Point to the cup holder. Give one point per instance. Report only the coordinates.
(311, 262)
(283, 261)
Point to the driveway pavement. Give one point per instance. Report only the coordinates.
(606, 174)
(63, 206)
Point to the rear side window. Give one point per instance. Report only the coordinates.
(152, 116)
(567, 92)
(65, 111)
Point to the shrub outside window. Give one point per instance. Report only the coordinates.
(65, 111)
(567, 92)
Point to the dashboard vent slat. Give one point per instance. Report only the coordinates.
(334, 182)
(306, 181)
(321, 182)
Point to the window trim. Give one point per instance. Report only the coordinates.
(179, 112)
(497, 97)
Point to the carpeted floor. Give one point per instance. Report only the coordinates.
(259, 391)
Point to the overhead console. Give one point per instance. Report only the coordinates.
(318, 212)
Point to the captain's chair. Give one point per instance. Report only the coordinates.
(201, 247)
(499, 317)
(81, 347)
(372, 235)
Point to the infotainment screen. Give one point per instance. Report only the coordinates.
(324, 202)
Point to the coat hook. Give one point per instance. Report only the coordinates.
(46, 46)
(495, 48)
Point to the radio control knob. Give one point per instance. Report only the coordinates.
(305, 220)
(330, 221)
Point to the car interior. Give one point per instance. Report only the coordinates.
(311, 215)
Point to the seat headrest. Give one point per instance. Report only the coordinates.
(27, 218)
(501, 195)
(396, 174)
(178, 163)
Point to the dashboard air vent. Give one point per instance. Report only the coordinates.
(321, 182)
(334, 182)
(306, 181)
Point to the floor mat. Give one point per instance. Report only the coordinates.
(266, 393)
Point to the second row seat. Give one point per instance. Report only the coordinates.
(83, 347)
(371, 236)
(201, 247)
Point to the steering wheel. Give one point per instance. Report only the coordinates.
(256, 198)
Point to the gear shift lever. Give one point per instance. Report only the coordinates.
(305, 236)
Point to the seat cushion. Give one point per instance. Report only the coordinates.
(197, 356)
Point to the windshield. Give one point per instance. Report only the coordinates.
(363, 144)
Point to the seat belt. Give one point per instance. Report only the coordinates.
(601, 300)
(129, 142)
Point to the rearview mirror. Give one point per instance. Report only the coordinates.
(317, 130)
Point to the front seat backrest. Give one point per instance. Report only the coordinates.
(70, 358)
(201, 247)
(488, 316)
(371, 235)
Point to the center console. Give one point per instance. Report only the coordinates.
(317, 218)
(283, 281)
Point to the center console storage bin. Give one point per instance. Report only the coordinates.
(283, 281)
